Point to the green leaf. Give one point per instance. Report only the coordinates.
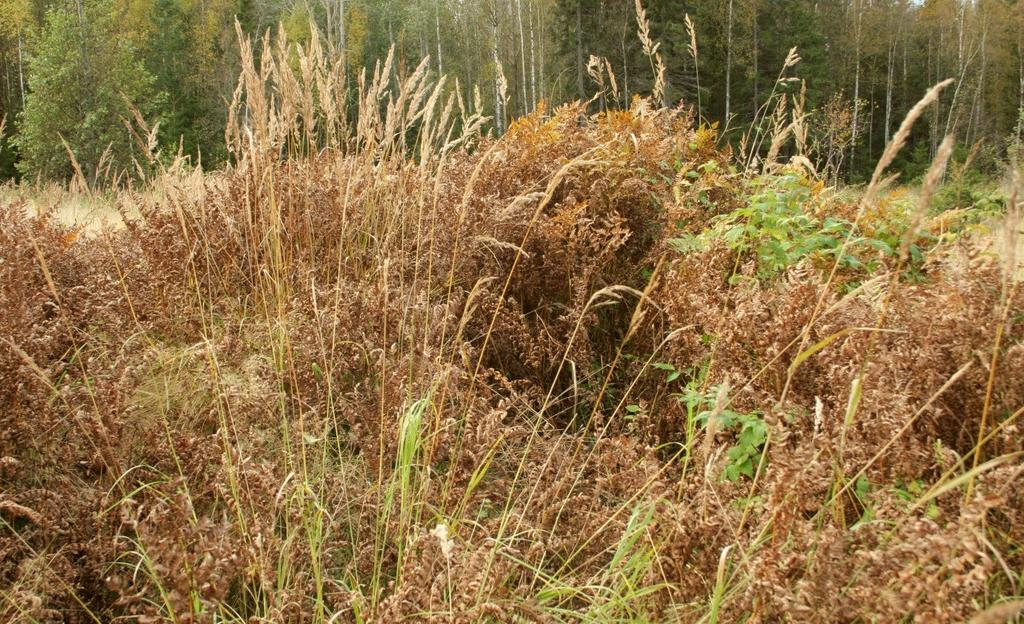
(686, 244)
(753, 433)
(880, 245)
(915, 254)
(804, 355)
(734, 235)
(862, 488)
(746, 467)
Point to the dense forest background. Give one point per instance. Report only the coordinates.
(83, 76)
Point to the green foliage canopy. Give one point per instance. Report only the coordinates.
(84, 80)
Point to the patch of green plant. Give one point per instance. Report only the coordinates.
(975, 195)
(750, 429)
(911, 491)
(908, 492)
(745, 455)
(862, 490)
(779, 227)
(671, 374)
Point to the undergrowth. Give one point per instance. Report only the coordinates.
(385, 367)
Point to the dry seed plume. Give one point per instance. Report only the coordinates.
(1002, 613)
(692, 49)
(900, 138)
(931, 183)
(651, 51)
(288, 310)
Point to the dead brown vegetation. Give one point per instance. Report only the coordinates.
(407, 371)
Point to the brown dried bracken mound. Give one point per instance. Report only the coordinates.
(361, 384)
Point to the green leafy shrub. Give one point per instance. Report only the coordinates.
(750, 430)
(84, 79)
(976, 194)
(780, 225)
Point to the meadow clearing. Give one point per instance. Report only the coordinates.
(385, 366)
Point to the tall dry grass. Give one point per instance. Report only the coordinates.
(386, 367)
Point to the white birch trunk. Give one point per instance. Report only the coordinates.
(522, 59)
(20, 68)
(890, 68)
(437, 32)
(533, 62)
(579, 50)
(728, 64)
(499, 105)
(856, 83)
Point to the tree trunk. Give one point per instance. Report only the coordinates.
(960, 33)
(962, 63)
(579, 50)
(979, 96)
(890, 67)
(499, 104)
(754, 9)
(391, 46)
(533, 62)
(1020, 80)
(934, 142)
(20, 68)
(424, 45)
(522, 59)
(437, 30)
(871, 120)
(341, 28)
(625, 62)
(856, 84)
(728, 63)
(903, 86)
(81, 38)
(9, 90)
(540, 24)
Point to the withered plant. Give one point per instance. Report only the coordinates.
(387, 367)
